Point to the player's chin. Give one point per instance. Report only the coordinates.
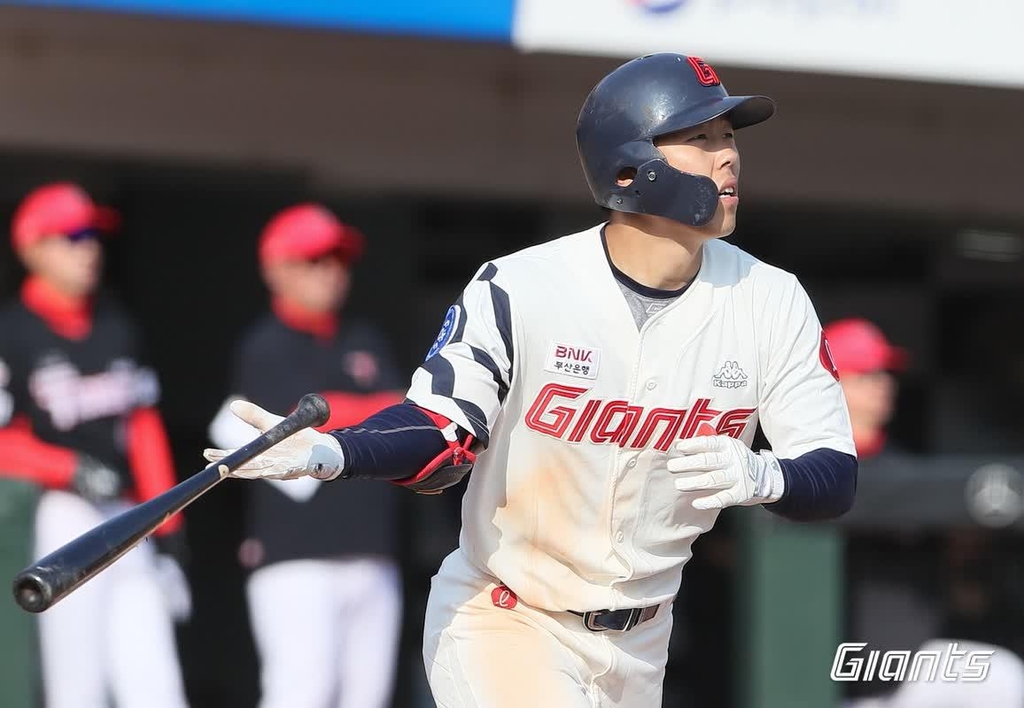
(722, 225)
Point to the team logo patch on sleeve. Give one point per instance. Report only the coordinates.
(825, 355)
(448, 327)
(582, 362)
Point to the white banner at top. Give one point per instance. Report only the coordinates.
(979, 42)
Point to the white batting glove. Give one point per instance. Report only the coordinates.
(306, 453)
(734, 474)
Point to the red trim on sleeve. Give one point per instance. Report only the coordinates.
(352, 408)
(439, 420)
(457, 453)
(151, 461)
(24, 456)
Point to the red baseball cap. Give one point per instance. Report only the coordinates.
(860, 347)
(307, 231)
(59, 209)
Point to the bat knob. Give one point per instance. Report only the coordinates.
(31, 593)
(316, 405)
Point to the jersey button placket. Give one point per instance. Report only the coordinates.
(618, 536)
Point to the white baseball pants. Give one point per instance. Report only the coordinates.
(113, 636)
(481, 651)
(326, 632)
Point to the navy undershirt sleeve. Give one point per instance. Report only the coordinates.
(395, 443)
(819, 485)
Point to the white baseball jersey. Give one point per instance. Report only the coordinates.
(571, 505)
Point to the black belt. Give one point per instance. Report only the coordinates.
(616, 620)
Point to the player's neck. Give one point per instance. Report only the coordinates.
(69, 316)
(322, 325)
(665, 261)
(869, 441)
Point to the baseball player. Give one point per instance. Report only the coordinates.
(334, 546)
(867, 365)
(606, 387)
(78, 417)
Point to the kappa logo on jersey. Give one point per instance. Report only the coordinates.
(448, 327)
(71, 398)
(582, 362)
(503, 597)
(825, 356)
(729, 376)
(619, 423)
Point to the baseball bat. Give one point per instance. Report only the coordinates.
(51, 579)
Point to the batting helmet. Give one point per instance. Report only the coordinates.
(643, 99)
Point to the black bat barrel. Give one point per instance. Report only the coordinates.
(54, 577)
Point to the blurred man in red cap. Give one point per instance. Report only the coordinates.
(328, 551)
(893, 601)
(78, 418)
(866, 361)
(895, 575)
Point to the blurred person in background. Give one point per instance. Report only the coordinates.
(867, 364)
(78, 418)
(909, 588)
(330, 550)
(893, 576)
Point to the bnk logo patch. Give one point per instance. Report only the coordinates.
(572, 360)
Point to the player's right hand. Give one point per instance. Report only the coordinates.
(306, 453)
(94, 481)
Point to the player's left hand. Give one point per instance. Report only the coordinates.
(306, 453)
(724, 466)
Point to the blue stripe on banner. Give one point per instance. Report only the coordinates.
(466, 19)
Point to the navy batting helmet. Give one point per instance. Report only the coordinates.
(643, 99)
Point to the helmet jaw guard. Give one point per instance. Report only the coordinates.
(644, 99)
(661, 190)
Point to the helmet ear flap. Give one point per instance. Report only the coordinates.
(658, 188)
